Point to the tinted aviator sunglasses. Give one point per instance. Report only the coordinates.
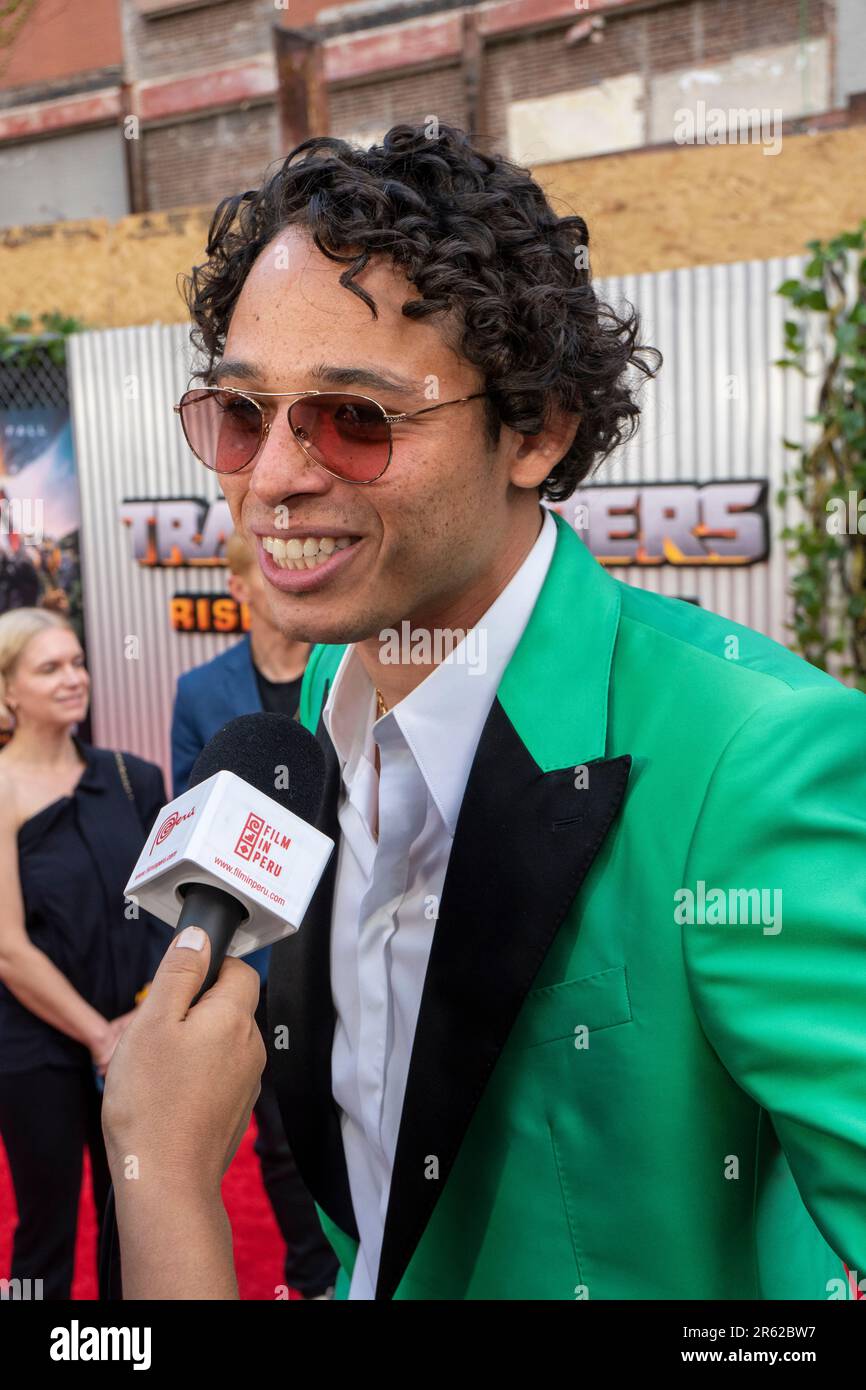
(347, 435)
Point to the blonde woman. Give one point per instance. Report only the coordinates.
(72, 822)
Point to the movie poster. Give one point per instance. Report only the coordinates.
(40, 512)
(40, 516)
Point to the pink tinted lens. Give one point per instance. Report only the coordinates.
(222, 429)
(348, 435)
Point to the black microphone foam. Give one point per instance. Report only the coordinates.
(268, 751)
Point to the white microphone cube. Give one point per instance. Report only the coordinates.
(226, 833)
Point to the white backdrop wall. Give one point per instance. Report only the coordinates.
(718, 410)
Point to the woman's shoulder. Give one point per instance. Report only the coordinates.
(8, 795)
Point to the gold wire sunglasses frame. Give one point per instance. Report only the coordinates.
(194, 395)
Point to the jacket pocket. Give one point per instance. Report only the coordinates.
(556, 1011)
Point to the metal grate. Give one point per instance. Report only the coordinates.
(42, 382)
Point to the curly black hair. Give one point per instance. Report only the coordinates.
(478, 239)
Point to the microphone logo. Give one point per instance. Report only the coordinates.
(169, 824)
(249, 836)
(258, 842)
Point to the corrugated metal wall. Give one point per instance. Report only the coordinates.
(128, 441)
(718, 410)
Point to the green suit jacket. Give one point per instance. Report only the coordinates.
(606, 1099)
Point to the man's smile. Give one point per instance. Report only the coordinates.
(300, 562)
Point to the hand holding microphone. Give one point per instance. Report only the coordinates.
(183, 1080)
(178, 1098)
(233, 863)
(236, 854)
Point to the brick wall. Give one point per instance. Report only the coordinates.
(541, 64)
(170, 45)
(198, 160)
(726, 26)
(381, 104)
(204, 160)
(694, 33)
(650, 41)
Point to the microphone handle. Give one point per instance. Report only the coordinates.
(218, 914)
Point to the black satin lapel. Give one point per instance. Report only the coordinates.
(524, 842)
(300, 1001)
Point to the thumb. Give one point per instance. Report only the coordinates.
(181, 974)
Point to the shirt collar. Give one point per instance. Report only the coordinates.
(457, 694)
(349, 713)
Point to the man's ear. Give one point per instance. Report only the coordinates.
(535, 456)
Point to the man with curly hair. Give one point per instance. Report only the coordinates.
(577, 1009)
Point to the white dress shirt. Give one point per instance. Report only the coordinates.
(387, 891)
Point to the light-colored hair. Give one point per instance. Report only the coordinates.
(17, 627)
(239, 554)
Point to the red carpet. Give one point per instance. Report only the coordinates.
(258, 1245)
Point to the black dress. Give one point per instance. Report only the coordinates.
(75, 857)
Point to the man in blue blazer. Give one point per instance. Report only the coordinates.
(207, 697)
(263, 671)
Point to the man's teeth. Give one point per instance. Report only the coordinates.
(304, 552)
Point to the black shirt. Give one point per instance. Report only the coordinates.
(279, 697)
(74, 860)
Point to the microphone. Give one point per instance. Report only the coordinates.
(236, 854)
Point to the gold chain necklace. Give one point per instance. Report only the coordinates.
(381, 707)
